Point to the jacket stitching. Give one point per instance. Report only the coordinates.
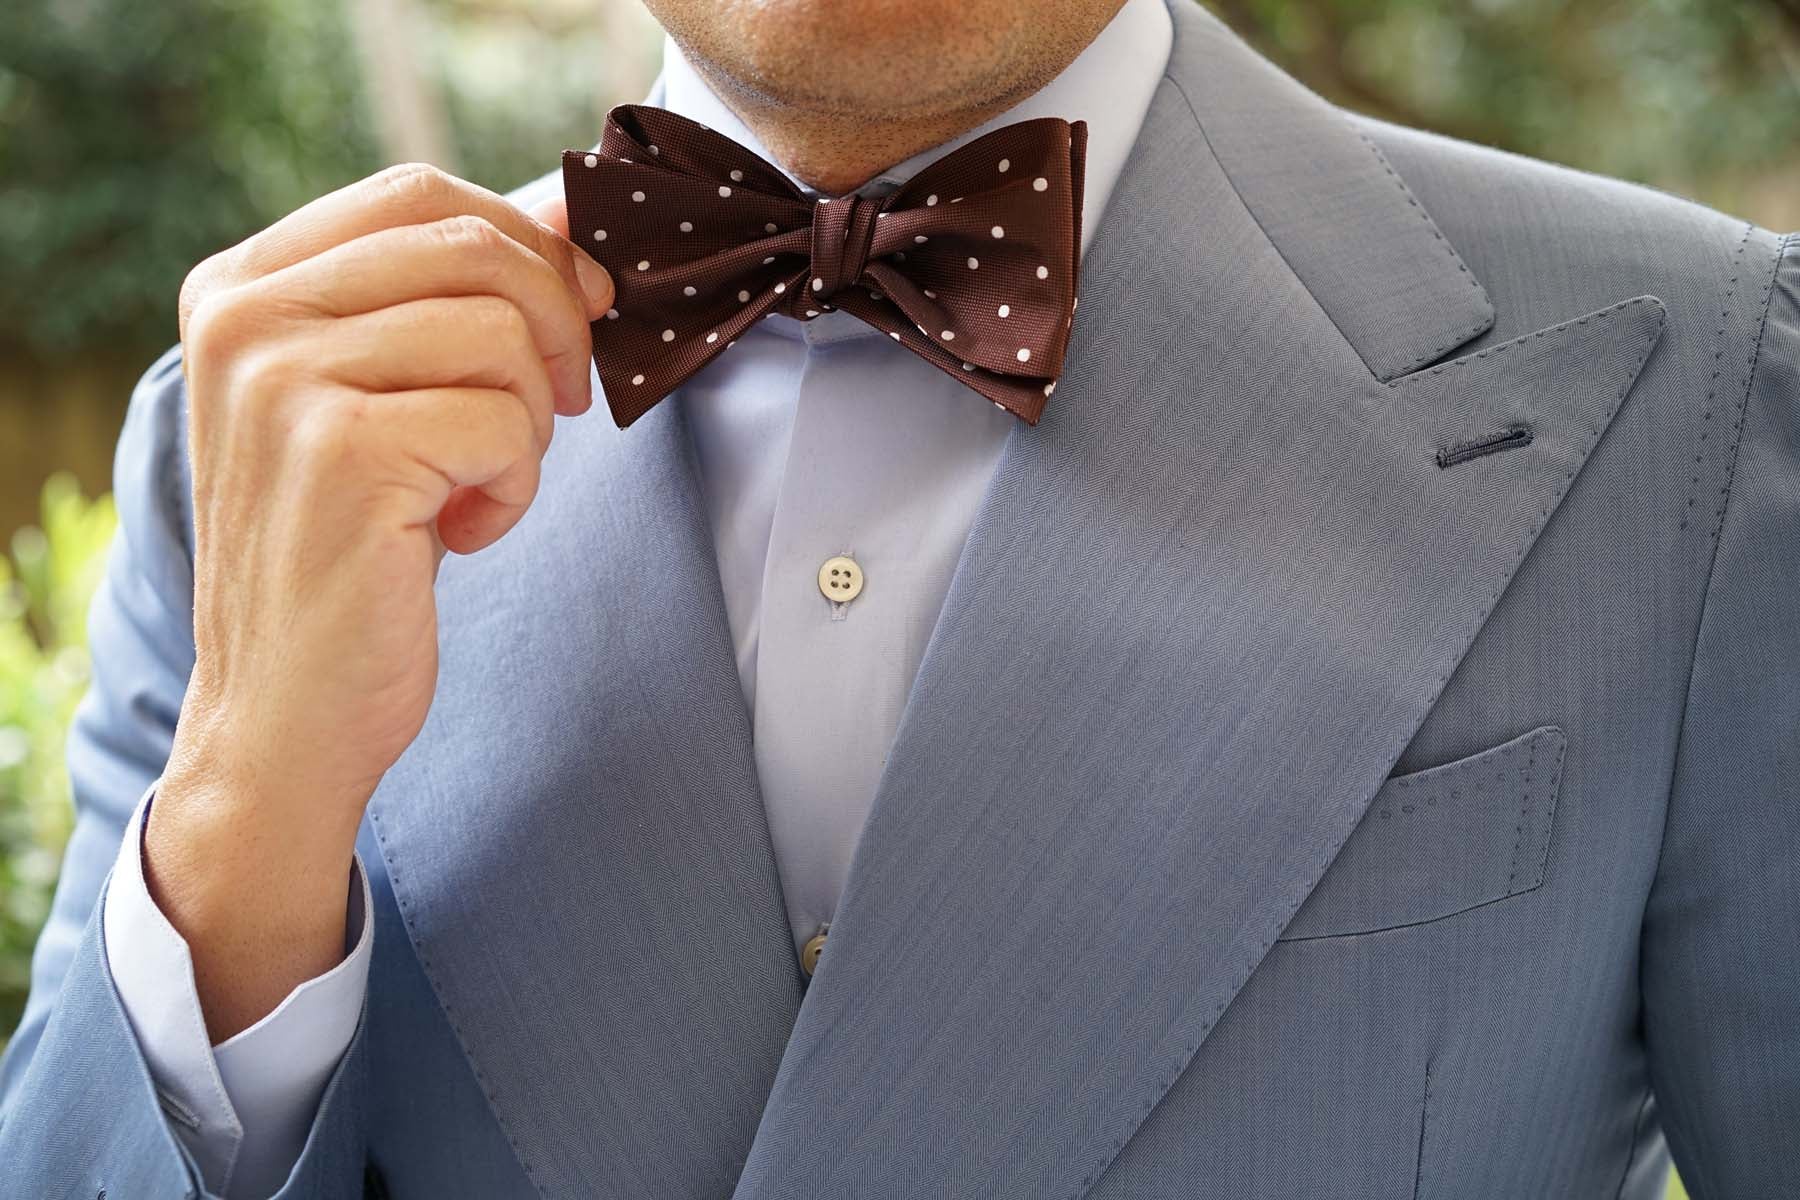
(488, 1090)
(1781, 252)
(1458, 338)
(1538, 336)
(1424, 1122)
(1512, 876)
(1551, 793)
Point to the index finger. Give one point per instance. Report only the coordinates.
(407, 194)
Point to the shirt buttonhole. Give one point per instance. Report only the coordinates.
(176, 1111)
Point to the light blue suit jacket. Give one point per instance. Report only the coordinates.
(1357, 756)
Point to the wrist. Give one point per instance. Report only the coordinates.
(256, 884)
(281, 813)
(222, 856)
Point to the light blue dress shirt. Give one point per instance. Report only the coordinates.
(813, 439)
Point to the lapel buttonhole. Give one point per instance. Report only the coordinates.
(1517, 435)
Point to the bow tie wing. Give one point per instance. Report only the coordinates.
(701, 236)
(977, 260)
(993, 226)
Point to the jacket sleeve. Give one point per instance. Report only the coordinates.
(1721, 966)
(241, 1109)
(80, 1114)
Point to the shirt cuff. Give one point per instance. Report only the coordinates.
(242, 1108)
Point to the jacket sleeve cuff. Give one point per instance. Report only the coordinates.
(243, 1108)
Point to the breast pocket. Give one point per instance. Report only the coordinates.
(1441, 841)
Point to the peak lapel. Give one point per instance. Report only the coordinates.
(1365, 249)
(576, 841)
(1209, 601)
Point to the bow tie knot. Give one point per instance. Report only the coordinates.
(971, 264)
(843, 231)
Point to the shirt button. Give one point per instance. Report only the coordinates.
(841, 579)
(809, 953)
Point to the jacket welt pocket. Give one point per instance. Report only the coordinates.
(1441, 841)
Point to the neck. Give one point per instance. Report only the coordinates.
(837, 152)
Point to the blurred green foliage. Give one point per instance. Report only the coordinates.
(136, 139)
(47, 577)
(1702, 96)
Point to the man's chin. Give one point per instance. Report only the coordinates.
(886, 58)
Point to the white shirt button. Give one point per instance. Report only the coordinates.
(840, 579)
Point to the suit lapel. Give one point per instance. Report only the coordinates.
(1209, 601)
(576, 841)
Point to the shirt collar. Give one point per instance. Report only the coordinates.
(1109, 85)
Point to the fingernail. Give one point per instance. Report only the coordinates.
(596, 284)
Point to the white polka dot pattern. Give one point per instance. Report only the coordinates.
(982, 286)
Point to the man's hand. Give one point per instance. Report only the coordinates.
(371, 381)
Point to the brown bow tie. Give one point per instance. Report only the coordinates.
(971, 264)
